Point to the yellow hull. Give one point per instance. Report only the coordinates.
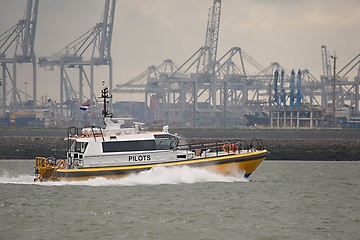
(247, 167)
(245, 163)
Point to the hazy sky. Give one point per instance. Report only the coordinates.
(148, 31)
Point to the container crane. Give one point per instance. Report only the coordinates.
(282, 90)
(212, 37)
(21, 39)
(199, 69)
(96, 43)
(276, 92)
(206, 60)
(350, 89)
(292, 89)
(325, 61)
(299, 95)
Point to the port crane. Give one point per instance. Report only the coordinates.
(91, 49)
(192, 89)
(20, 40)
(181, 87)
(279, 90)
(219, 91)
(326, 65)
(340, 93)
(276, 91)
(349, 90)
(202, 64)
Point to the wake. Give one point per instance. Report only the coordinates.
(155, 176)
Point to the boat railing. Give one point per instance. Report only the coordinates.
(94, 133)
(44, 168)
(227, 147)
(72, 131)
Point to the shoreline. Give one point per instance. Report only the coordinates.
(280, 149)
(303, 145)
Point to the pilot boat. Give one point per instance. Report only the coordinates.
(114, 152)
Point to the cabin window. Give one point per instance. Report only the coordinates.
(128, 146)
(165, 141)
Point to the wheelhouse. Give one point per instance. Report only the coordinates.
(111, 145)
(163, 141)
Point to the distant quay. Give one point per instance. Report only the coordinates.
(304, 145)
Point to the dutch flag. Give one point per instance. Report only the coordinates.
(85, 107)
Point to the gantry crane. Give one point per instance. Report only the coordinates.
(204, 59)
(91, 49)
(212, 39)
(236, 83)
(216, 91)
(203, 76)
(348, 91)
(340, 93)
(175, 91)
(153, 85)
(20, 39)
(326, 77)
(327, 71)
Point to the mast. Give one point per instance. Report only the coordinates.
(105, 97)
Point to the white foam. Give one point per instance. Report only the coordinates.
(20, 179)
(155, 176)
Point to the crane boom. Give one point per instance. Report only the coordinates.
(212, 36)
(106, 34)
(22, 35)
(325, 61)
(21, 39)
(93, 48)
(30, 28)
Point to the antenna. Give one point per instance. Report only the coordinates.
(105, 97)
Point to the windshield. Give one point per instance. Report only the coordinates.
(166, 141)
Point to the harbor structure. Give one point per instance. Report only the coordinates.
(205, 91)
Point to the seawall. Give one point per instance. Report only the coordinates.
(319, 145)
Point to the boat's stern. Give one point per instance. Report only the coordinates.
(45, 168)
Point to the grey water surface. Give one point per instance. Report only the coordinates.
(283, 200)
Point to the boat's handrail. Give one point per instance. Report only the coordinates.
(94, 134)
(73, 132)
(221, 146)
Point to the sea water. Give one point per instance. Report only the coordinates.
(282, 200)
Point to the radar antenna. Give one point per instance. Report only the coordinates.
(105, 97)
